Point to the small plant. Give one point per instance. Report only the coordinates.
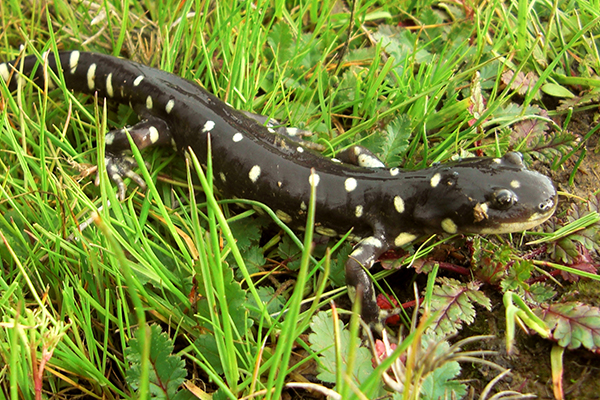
(166, 371)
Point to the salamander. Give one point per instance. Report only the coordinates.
(385, 208)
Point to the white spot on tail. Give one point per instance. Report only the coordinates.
(109, 138)
(149, 103)
(169, 106)
(138, 80)
(91, 77)
(394, 171)
(4, 71)
(300, 149)
(237, 137)
(109, 86)
(73, 61)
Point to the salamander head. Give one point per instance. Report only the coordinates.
(485, 195)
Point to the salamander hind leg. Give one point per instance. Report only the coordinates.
(360, 156)
(360, 286)
(119, 164)
(276, 126)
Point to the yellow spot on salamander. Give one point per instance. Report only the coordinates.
(449, 226)
(254, 173)
(435, 179)
(404, 238)
(350, 184)
(399, 204)
(358, 211)
(169, 106)
(325, 231)
(283, 216)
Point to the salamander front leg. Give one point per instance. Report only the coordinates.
(119, 164)
(364, 254)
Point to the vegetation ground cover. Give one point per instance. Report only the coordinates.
(179, 293)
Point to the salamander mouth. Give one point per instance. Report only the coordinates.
(532, 221)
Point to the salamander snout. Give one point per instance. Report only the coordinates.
(547, 205)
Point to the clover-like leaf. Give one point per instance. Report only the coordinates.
(321, 341)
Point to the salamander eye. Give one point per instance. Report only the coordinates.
(503, 199)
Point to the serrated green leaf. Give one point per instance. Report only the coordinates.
(489, 261)
(167, 371)
(564, 250)
(549, 147)
(392, 145)
(541, 292)
(254, 260)
(401, 43)
(236, 300)
(281, 42)
(517, 276)
(347, 86)
(207, 346)
(337, 272)
(274, 303)
(454, 302)
(246, 231)
(287, 249)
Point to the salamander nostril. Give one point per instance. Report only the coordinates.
(546, 205)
